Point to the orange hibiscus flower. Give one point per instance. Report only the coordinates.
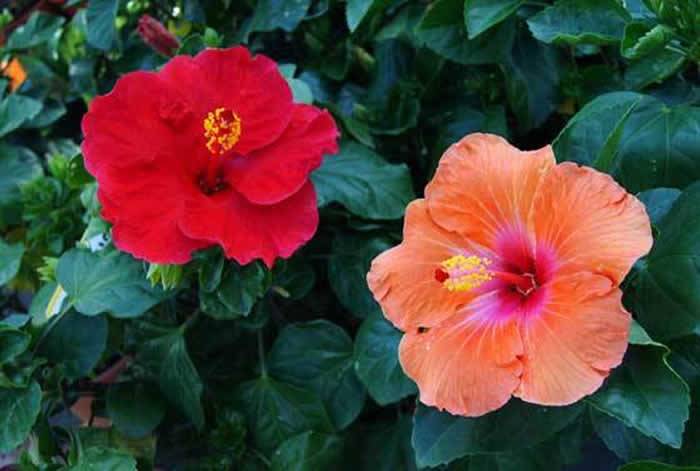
(507, 281)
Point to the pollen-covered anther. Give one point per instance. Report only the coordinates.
(464, 273)
(222, 130)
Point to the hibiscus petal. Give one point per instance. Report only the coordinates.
(272, 173)
(571, 344)
(252, 87)
(144, 218)
(402, 279)
(590, 222)
(485, 187)
(247, 231)
(467, 365)
(125, 127)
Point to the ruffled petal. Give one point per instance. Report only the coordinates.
(467, 365)
(252, 87)
(271, 174)
(247, 231)
(402, 279)
(485, 187)
(144, 212)
(131, 126)
(590, 223)
(573, 342)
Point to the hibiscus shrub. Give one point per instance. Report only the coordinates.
(205, 265)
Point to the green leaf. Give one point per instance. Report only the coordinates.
(580, 22)
(646, 393)
(626, 442)
(308, 451)
(18, 165)
(39, 29)
(178, 378)
(104, 459)
(277, 411)
(659, 202)
(19, 409)
(113, 282)
(13, 342)
(347, 271)
(284, 14)
(442, 30)
(377, 361)
(76, 343)
(385, 446)
(655, 466)
(240, 288)
(318, 356)
(135, 408)
(296, 277)
(594, 133)
(653, 68)
(667, 280)
(640, 39)
(656, 148)
(10, 260)
(101, 29)
(16, 110)
(439, 437)
(355, 11)
(364, 183)
(532, 80)
(480, 15)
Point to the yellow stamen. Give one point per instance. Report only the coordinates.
(222, 129)
(466, 272)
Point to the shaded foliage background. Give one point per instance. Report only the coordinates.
(218, 366)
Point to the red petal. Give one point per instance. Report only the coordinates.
(273, 173)
(247, 231)
(252, 87)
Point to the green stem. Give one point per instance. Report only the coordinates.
(261, 354)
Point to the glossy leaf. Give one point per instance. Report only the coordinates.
(240, 288)
(480, 15)
(113, 282)
(10, 260)
(76, 342)
(439, 437)
(39, 28)
(318, 356)
(580, 22)
(347, 271)
(646, 393)
(19, 409)
(178, 377)
(442, 29)
(15, 111)
(668, 278)
(101, 30)
(364, 183)
(377, 361)
(135, 408)
(277, 411)
(308, 451)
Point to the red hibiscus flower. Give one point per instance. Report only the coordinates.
(210, 150)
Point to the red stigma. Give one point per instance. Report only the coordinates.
(441, 275)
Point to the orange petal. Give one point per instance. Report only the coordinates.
(573, 342)
(468, 366)
(484, 186)
(402, 279)
(590, 222)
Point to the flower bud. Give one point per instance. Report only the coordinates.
(157, 36)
